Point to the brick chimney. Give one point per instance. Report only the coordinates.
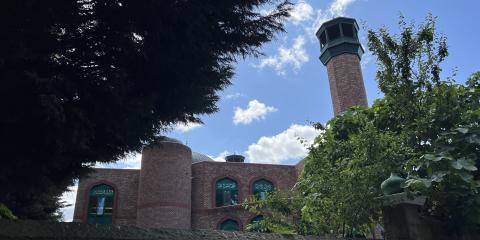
(341, 52)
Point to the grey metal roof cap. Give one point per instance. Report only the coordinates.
(200, 157)
(335, 21)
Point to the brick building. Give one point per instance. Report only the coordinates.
(180, 189)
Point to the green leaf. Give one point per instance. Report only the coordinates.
(429, 156)
(456, 164)
(438, 157)
(466, 176)
(427, 183)
(429, 171)
(473, 139)
(464, 163)
(420, 181)
(468, 164)
(438, 176)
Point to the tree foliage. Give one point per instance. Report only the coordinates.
(90, 80)
(425, 128)
(280, 212)
(5, 213)
(343, 172)
(448, 174)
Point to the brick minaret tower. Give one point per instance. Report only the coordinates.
(341, 52)
(165, 187)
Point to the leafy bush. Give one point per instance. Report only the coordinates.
(6, 213)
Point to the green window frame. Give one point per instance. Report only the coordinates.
(100, 204)
(226, 192)
(230, 225)
(261, 188)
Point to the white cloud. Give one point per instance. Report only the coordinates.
(366, 58)
(283, 146)
(255, 111)
(182, 127)
(221, 156)
(233, 96)
(69, 197)
(336, 9)
(265, 11)
(131, 161)
(303, 14)
(295, 56)
(302, 11)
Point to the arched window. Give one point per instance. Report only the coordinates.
(100, 204)
(261, 187)
(230, 225)
(226, 191)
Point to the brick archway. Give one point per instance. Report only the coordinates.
(229, 217)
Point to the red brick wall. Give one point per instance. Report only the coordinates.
(346, 82)
(164, 199)
(164, 180)
(299, 167)
(125, 184)
(204, 213)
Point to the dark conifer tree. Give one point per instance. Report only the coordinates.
(87, 81)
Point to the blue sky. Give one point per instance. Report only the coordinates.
(273, 98)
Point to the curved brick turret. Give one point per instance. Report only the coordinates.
(164, 194)
(340, 51)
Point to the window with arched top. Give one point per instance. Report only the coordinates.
(230, 225)
(226, 192)
(261, 188)
(100, 204)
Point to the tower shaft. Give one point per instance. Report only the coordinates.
(341, 51)
(346, 82)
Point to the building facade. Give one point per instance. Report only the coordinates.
(180, 189)
(166, 193)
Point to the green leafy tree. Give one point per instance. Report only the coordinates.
(91, 80)
(425, 128)
(280, 212)
(344, 170)
(437, 118)
(448, 175)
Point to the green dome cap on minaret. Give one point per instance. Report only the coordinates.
(339, 36)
